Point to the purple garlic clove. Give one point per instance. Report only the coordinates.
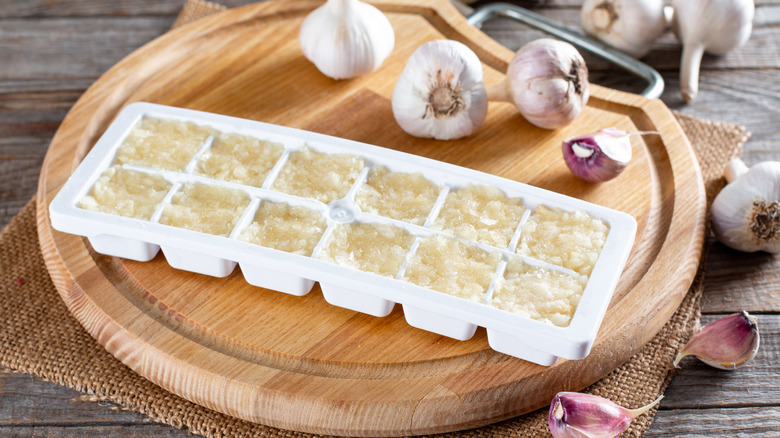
(578, 415)
(598, 156)
(727, 343)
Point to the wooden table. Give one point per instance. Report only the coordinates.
(50, 52)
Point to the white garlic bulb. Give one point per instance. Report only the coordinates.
(547, 80)
(746, 213)
(631, 26)
(440, 93)
(346, 38)
(712, 26)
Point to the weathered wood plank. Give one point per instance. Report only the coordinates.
(747, 97)
(25, 400)
(30, 116)
(18, 182)
(746, 422)
(30, 407)
(65, 8)
(51, 49)
(28, 121)
(696, 385)
(70, 8)
(753, 284)
(15, 86)
(113, 430)
(102, 41)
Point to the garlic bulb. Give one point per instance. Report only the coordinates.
(631, 26)
(547, 80)
(440, 93)
(746, 213)
(727, 343)
(712, 26)
(578, 415)
(346, 38)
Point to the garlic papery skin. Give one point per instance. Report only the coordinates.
(440, 93)
(346, 38)
(578, 415)
(712, 26)
(727, 343)
(598, 156)
(745, 215)
(631, 26)
(547, 80)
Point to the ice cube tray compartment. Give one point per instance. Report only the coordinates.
(344, 286)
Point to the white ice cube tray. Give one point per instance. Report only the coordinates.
(438, 312)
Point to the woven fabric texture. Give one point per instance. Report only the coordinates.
(39, 336)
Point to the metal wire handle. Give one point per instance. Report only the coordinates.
(655, 81)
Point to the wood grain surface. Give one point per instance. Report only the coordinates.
(297, 363)
(37, 91)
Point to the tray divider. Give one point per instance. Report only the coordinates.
(190, 167)
(437, 206)
(274, 173)
(155, 219)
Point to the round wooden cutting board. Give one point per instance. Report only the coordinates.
(297, 362)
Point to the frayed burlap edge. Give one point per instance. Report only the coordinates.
(39, 336)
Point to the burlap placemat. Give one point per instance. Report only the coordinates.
(39, 336)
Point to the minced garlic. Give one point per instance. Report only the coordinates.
(404, 196)
(126, 193)
(569, 239)
(318, 175)
(541, 294)
(163, 144)
(291, 228)
(377, 248)
(448, 265)
(204, 208)
(240, 159)
(480, 213)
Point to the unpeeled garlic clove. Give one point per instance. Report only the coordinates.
(727, 343)
(578, 415)
(346, 38)
(598, 156)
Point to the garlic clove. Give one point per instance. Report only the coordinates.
(727, 343)
(346, 38)
(745, 214)
(711, 26)
(578, 415)
(631, 26)
(440, 93)
(598, 156)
